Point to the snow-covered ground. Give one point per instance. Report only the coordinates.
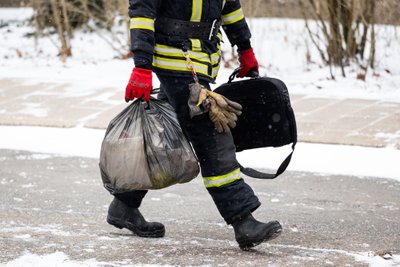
(324, 159)
(281, 46)
(61, 259)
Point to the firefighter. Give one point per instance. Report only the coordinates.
(165, 34)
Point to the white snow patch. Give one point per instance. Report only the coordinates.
(27, 185)
(329, 159)
(280, 45)
(34, 109)
(81, 142)
(378, 261)
(45, 228)
(25, 236)
(60, 259)
(15, 14)
(367, 257)
(33, 156)
(318, 158)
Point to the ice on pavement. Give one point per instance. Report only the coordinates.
(61, 259)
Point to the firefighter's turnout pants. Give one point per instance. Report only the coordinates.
(216, 154)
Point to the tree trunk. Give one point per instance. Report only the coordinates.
(65, 18)
(65, 50)
(335, 40)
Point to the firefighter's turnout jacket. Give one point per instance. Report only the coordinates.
(156, 45)
(160, 31)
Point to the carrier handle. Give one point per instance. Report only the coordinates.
(253, 73)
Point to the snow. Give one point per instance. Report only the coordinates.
(319, 158)
(280, 45)
(378, 261)
(58, 259)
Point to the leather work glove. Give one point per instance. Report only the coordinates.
(139, 85)
(222, 111)
(223, 119)
(248, 62)
(198, 102)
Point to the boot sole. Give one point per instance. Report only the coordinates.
(270, 235)
(120, 224)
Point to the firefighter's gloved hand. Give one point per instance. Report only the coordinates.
(139, 85)
(248, 63)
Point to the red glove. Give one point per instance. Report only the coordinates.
(247, 61)
(140, 84)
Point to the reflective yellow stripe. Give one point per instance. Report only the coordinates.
(197, 8)
(233, 17)
(215, 58)
(142, 23)
(223, 4)
(170, 51)
(219, 35)
(215, 71)
(196, 44)
(178, 64)
(220, 180)
(162, 60)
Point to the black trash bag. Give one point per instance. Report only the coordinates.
(145, 148)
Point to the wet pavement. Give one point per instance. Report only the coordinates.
(360, 122)
(53, 204)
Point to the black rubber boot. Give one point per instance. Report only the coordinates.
(123, 216)
(249, 232)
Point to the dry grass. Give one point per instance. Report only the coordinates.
(388, 11)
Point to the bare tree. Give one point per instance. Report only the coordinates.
(345, 26)
(67, 15)
(60, 24)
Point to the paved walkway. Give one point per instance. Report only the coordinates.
(320, 120)
(54, 204)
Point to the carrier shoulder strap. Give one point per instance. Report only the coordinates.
(262, 175)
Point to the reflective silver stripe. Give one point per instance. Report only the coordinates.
(196, 44)
(233, 17)
(216, 63)
(175, 52)
(178, 64)
(220, 180)
(215, 71)
(142, 23)
(215, 58)
(197, 7)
